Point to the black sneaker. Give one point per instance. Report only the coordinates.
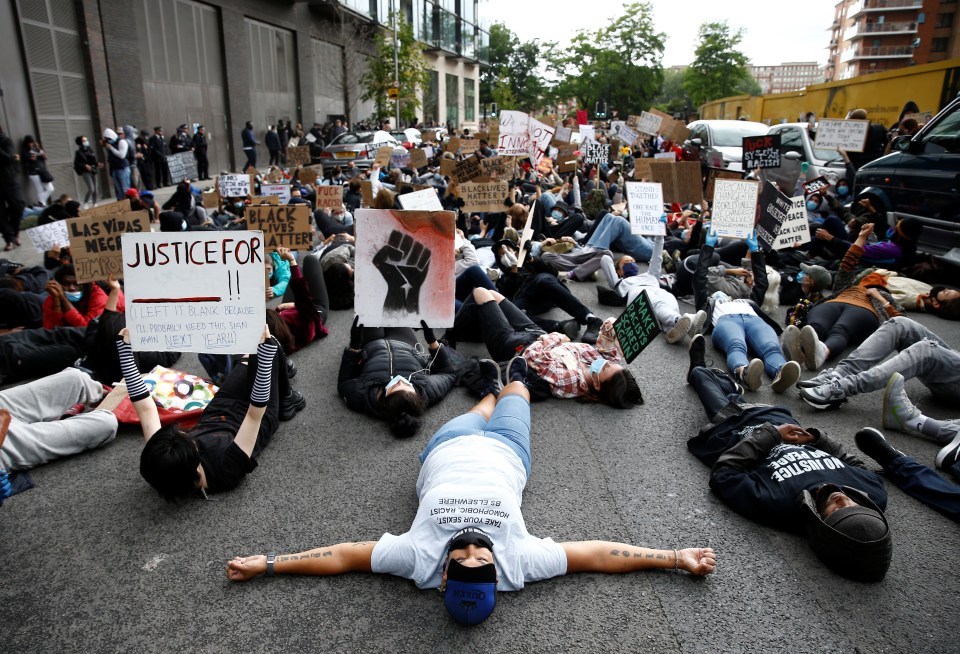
(291, 405)
(698, 354)
(949, 454)
(872, 443)
(291, 369)
(592, 332)
(517, 369)
(490, 373)
(571, 328)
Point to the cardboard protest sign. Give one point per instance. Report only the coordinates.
(182, 165)
(493, 133)
(287, 226)
(666, 156)
(636, 327)
(587, 133)
(195, 292)
(641, 168)
(383, 156)
(122, 206)
(483, 196)
(265, 199)
(281, 191)
(418, 158)
(633, 121)
(51, 236)
(815, 185)
(645, 201)
(469, 146)
(309, 174)
(545, 166)
(95, 243)
(400, 158)
(468, 169)
(681, 180)
(713, 174)
(514, 138)
(849, 135)
(447, 166)
(761, 151)
(734, 207)
(592, 152)
(366, 193)
(405, 268)
(795, 230)
(298, 155)
(566, 158)
(562, 135)
(774, 210)
(649, 123)
(452, 145)
(329, 197)
(211, 199)
(496, 167)
(678, 132)
(234, 186)
(423, 200)
(428, 136)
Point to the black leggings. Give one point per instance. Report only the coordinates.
(839, 324)
(503, 328)
(543, 292)
(316, 285)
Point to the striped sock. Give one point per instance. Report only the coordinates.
(260, 393)
(136, 388)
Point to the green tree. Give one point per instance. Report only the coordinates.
(672, 98)
(511, 79)
(718, 68)
(413, 74)
(502, 43)
(620, 63)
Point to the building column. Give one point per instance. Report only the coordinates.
(122, 45)
(236, 63)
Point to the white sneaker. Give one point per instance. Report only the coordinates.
(696, 324)
(814, 352)
(790, 343)
(681, 327)
(786, 377)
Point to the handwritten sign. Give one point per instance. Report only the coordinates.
(265, 199)
(713, 174)
(366, 194)
(623, 133)
(562, 135)
(418, 158)
(566, 161)
(287, 226)
(815, 185)
(298, 155)
(636, 327)
(849, 135)
(649, 123)
(121, 206)
(195, 292)
(211, 199)
(183, 166)
(734, 207)
(761, 151)
(383, 156)
(483, 196)
(681, 180)
(468, 170)
(496, 167)
(428, 136)
(469, 146)
(641, 168)
(423, 200)
(95, 243)
(51, 236)
(795, 230)
(514, 135)
(234, 186)
(645, 201)
(774, 211)
(594, 153)
(329, 197)
(281, 191)
(453, 145)
(308, 175)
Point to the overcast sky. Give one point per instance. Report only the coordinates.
(775, 31)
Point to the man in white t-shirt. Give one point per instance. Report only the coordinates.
(469, 538)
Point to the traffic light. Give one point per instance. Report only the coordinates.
(601, 109)
(493, 108)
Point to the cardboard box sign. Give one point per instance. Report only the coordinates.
(681, 180)
(453, 145)
(329, 197)
(95, 243)
(641, 168)
(713, 174)
(483, 196)
(418, 158)
(298, 155)
(211, 199)
(308, 175)
(567, 159)
(447, 166)
(287, 226)
(383, 156)
(366, 194)
(468, 169)
(761, 151)
(636, 327)
(122, 206)
(428, 136)
(469, 146)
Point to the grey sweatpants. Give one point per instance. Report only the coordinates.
(36, 434)
(918, 353)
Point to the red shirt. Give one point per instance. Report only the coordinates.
(94, 304)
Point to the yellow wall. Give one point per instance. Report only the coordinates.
(882, 95)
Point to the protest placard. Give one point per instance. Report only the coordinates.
(298, 155)
(51, 236)
(636, 327)
(540, 136)
(468, 169)
(592, 152)
(282, 191)
(835, 134)
(483, 196)
(681, 180)
(452, 145)
(95, 243)
(774, 210)
(195, 292)
(633, 121)
(641, 168)
(734, 207)
(545, 167)
(182, 165)
(400, 158)
(713, 174)
(677, 132)
(786, 175)
(265, 199)
(423, 200)
(234, 186)
(447, 166)
(566, 161)
(496, 167)
(383, 156)
(795, 230)
(469, 146)
(329, 197)
(366, 194)
(587, 134)
(211, 199)
(623, 133)
(493, 134)
(514, 138)
(645, 201)
(287, 226)
(404, 268)
(815, 185)
(309, 174)
(428, 136)
(666, 156)
(649, 123)
(418, 158)
(761, 151)
(122, 206)
(562, 135)
(428, 150)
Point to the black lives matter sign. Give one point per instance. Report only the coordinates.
(761, 151)
(636, 327)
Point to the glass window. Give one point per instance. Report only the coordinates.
(944, 20)
(938, 45)
(469, 98)
(448, 31)
(452, 97)
(945, 137)
(431, 99)
(468, 48)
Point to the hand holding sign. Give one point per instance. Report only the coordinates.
(404, 265)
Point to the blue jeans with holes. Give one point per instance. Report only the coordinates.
(613, 233)
(734, 334)
(509, 424)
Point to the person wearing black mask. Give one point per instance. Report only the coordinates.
(86, 165)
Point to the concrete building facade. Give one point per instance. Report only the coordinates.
(786, 77)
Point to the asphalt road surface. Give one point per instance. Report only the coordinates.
(95, 561)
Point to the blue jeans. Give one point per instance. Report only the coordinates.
(921, 483)
(613, 233)
(509, 424)
(121, 182)
(735, 333)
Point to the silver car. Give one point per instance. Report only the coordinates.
(826, 163)
(721, 141)
(358, 147)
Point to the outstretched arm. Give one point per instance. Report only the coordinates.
(330, 560)
(615, 558)
(138, 391)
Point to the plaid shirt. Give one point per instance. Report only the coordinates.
(565, 365)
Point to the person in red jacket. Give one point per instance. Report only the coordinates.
(70, 304)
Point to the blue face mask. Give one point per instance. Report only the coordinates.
(812, 206)
(557, 214)
(720, 297)
(74, 296)
(597, 365)
(843, 190)
(393, 382)
(630, 269)
(800, 276)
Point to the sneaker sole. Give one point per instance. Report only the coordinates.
(808, 343)
(820, 405)
(785, 381)
(678, 330)
(500, 373)
(506, 371)
(697, 324)
(794, 352)
(753, 375)
(947, 449)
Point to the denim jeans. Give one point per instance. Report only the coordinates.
(737, 332)
(121, 182)
(613, 233)
(919, 353)
(921, 483)
(509, 424)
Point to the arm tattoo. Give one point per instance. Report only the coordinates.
(328, 553)
(614, 552)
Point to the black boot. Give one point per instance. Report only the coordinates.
(698, 353)
(291, 404)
